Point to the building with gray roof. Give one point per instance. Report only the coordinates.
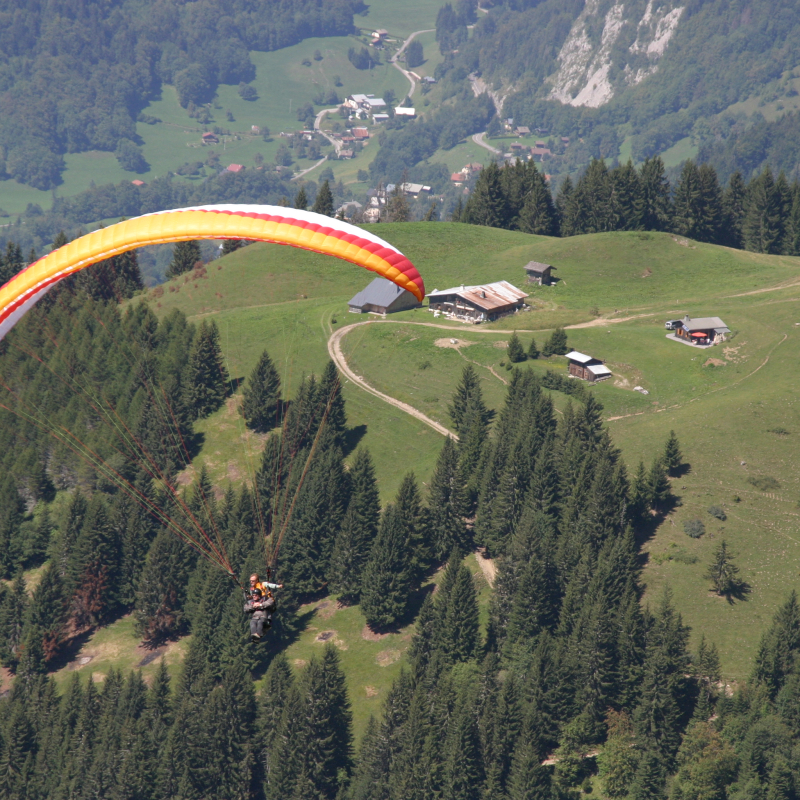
(382, 297)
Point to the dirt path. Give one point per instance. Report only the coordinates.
(600, 321)
(487, 565)
(335, 350)
(784, 285)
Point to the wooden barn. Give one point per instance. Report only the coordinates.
(539, 273)
(587, 368)
(483, 303)
(382, 297)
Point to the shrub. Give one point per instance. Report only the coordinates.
(765, 483)
(717, 511)
(694, 528)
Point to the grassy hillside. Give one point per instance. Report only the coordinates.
(736, 415)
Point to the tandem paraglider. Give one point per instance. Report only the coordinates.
(272, 224)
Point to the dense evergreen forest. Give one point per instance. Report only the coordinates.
(569, 661)
(75, 76)
(762, 215)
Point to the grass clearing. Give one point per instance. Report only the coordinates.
(739, 407)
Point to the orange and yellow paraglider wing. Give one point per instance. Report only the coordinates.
(294, 228)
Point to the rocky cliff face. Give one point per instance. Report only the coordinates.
(610, 47)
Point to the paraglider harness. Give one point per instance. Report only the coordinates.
(260, 598)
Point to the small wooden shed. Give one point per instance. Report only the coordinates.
(539, 273)
(586, 367)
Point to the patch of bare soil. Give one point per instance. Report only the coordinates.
(387, 657)
(330, 636)
(326, 609)
(232, 405)
(600, 321)
(234, 473)
(299, 663)
(488, 567)
(452, 343)
(371, 636)
(371, 691)
(714, 362)
(186, 476)
(502, 345)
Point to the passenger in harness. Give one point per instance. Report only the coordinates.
(260, 605)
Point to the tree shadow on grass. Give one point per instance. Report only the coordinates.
(739, 591)
(352, 437)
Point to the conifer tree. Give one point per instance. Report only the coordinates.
(459, 634)
(734, 202)
(231, 246)
(324, 202)
(301, 200)
(533, 350)
(12, 620)
(658, 487)
(463, 767)
(556, 345)
(472, 443)
(538, 213)
(331, 402)
(411, 513)
(445, 502)
(722, 572)
(184, 258)
(385, 584)
(11, 517)
(762, 229)
(568, 208)
(262, 394)
(207, 376)
(515, 351)
(48, 611)
(779, 647)
(488, 204)
(654, 208)
(468, 387)
(673, 459)
(648, 783)
(397, 206)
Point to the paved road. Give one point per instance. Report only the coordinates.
(411, 79)
(335, 350)
(318, 129)
(478, 139)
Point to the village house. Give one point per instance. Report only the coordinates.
(361, 133)
(210, 138)
(405, 112)
(483, 303)
(457, 178)
(429, 80)
(382, 297)
(539, 273)
(522, 130)
(349, 209)
(372, 214)
(346, 154)
(235, 168)
(379, 36)
(378, 118)
(704, 331)
(365, 102)
(137, 182)
(540, 153)
(587, 368)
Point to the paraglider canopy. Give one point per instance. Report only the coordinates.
(303, 229)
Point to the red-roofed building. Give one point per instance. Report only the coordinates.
(137, 182)
(235, 168)
(210, 138)
(457, 178)
(361, 133)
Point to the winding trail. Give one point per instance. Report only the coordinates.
(335, 351)
(393, 60)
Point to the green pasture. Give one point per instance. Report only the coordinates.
(399, 17)
(729, 404)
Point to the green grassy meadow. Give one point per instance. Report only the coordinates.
(621, 286)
